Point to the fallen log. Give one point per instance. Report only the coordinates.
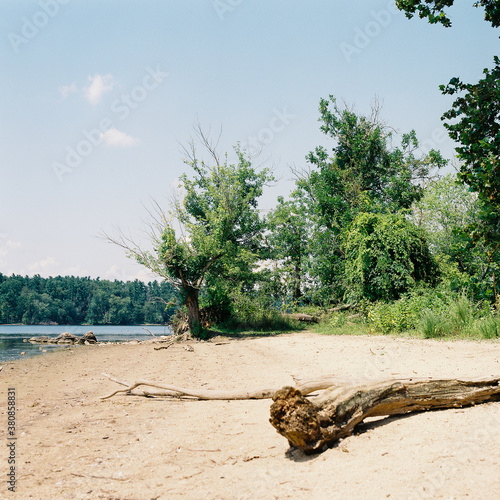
(305, 318)
(312, 425)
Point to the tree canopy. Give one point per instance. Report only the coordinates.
(213, 228)
(435, 10)
(73, 300)
(386, 255)
(367, 171)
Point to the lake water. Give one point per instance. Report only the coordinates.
(12, 336)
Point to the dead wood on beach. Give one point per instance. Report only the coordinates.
(313, 424)
(306, 387)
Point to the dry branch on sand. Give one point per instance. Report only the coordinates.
(312, 424)
(306, 387)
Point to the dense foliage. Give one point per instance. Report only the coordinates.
(73, 300)
(474, 123)
(212, 236)
(367, 171)
(386, 256)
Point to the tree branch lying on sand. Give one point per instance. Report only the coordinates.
(313, 424)
(306, 387)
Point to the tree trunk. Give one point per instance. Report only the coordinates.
(495, 292)
(193, 311)
(297, 293)
(313, 424)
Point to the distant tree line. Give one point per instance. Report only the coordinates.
(74, 300)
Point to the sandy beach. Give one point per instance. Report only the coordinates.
(71, 444)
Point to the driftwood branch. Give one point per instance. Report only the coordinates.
(306, 318)
(313, 424)
(149, 331)
(306, 387)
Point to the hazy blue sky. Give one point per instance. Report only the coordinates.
(96, 96)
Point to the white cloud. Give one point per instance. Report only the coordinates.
(42, 266)
(6, 246)
(76, 270)
(99, 85)
(65, 90)
(114, 137)
(14, 244)
(128, 274)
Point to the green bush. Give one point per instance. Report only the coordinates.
(432, 325)
(435, 313)
(252, 312)
(404, 314)
(386, 256)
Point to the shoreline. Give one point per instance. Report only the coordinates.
(14, 339)
(72, 444)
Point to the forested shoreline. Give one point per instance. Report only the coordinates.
(73, 300)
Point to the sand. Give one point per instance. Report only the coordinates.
(71, 444)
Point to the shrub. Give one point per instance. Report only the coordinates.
(252, 312)
(386, 256)
(432, 325)
(404, 314)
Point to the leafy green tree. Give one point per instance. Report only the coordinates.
(446, 212)
(219, 225)
(120, 311)
(474, 122)
(435, 10)
(98, 308)
(288, 239)
(364, 173)
(475, 125)
(386, 256)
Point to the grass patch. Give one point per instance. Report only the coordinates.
(487, 328)
(424, 313)
(343, 323)
(268, 321)
(432, 325)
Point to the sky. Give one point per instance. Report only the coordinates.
(99, 97)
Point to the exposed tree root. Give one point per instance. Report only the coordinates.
(313, 424)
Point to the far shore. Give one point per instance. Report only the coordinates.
(72, 444)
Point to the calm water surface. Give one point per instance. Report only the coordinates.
(12, 336)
